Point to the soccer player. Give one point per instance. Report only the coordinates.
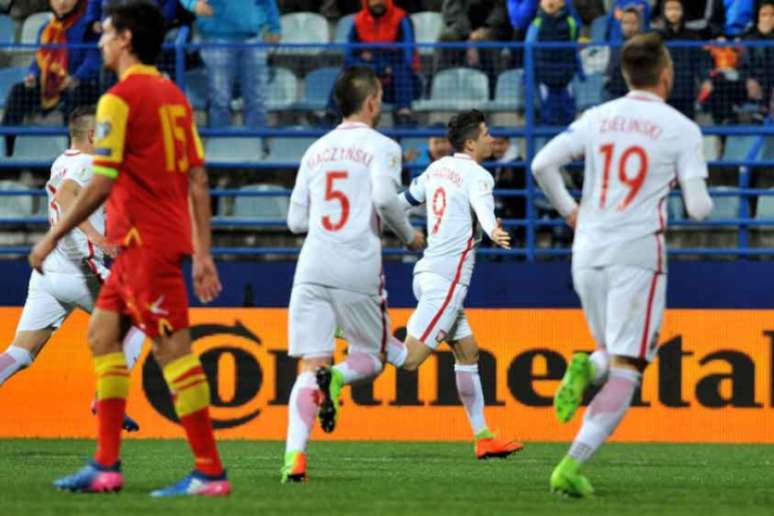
(148, 166)
(635, 148)
(346, 186)
(75, 270)
(457, 193)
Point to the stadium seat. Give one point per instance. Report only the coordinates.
(9, 77)
(32, 25)
(737, 148)
(456, 89)
(39, 148)
(343, 26)
(588, 92)
(15, 206)
(233, 149)
(725, 207)
(317, 88)
(765, 210)
(288, 150)
(767, 153)
(283, 89)
(427, 28)
(711, 144)
(509, 92)
(262, 208)
(675, 208)
(599, 28)
(304, 27)
(196, 87)
(7, 30)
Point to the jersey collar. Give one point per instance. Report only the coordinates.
(140, 69)
(644, 95)
(462, 155)
(352, 125)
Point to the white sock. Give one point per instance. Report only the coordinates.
(359, 366)
(14, 359)
(471, 395)
(605, 412)
(601, 361)
(133, 342)
(396, 352)
(302, 409)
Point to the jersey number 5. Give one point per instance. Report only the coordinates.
(633, 183)
(336, 195)
(171, 115)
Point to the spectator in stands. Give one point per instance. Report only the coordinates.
(631, 24)
(227, 22)
(740, 17)
(758, 62)
(508, 177)
(724, 91)
(436, 148)
(380, 21)
(474, 21)
(615, 18)
(96, 8)
(555, 67)
(59, 78)
(690, 64)
(705, 17)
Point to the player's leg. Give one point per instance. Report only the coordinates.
(468, 380)
(311, 325)
(635, 307)
(22, 351)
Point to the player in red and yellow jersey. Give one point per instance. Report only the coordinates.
(148, 166)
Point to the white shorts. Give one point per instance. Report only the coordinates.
(624, 307)
(315, 311)
(51, 298)
(439, 315)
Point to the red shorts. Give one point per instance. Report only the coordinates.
(148, 287)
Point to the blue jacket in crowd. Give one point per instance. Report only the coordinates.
(237, 19)
(522, 12)
(83, 63)
(740, 16)
(555, 67)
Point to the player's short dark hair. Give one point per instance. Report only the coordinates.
(643, 58)
(146, 23)
(77, 123)
(353, 87)
(463, 127)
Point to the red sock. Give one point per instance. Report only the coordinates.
(198, 429)
(110, 415)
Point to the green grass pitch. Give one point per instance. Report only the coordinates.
(437, 479)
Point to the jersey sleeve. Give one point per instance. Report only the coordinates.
(415, 194)
(690, 158)
(576, 135)
(388, 161)
(80, 172)
(298, 211)
(110, 135)
(481, 195)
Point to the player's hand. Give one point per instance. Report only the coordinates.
(418, 243)
(107, 248)
(205, 278)
(572, 219)
(40, 252)
(500, 236)
(202, 8)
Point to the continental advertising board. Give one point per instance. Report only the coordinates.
(713, 380)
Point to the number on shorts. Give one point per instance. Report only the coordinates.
(633, 183)
(439, 208)
(336, 195)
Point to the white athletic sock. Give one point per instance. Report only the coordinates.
(358, 367)
(302, 409)
(133, 342)
(605, 412)
(14, 359)
(601, 361)
(396, 352)
(471, 395)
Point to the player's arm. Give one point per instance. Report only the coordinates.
(298, 211)
(482, 201)
(65, 197)
(413, 197)
(692, 174)
(205, 274)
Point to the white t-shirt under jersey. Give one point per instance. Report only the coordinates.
(636, 148)
(457, 193)
(343, 246)
(74, 254)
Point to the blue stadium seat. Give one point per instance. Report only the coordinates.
(737, 148)
(675, 208)
(38, 148)
(725, 207)
(9, 77)
(283, 89)
(765, 209)
(767, 153)
(427, 28)
(32, 25)
(7, 30)
(509, 92)
(317, 88)
(589, 92)
(233, 149)
(343, 26)
(262, 208)
(288, 150)
(456, 89)
(15, 206)
(196, 87)
(304, 27)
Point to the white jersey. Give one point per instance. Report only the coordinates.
(636, 148)
(457, 193)
(343, 246)
(74, 254)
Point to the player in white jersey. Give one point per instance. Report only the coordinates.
(75, 270)
(636, 148)
(457, 193)
(345, 188)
